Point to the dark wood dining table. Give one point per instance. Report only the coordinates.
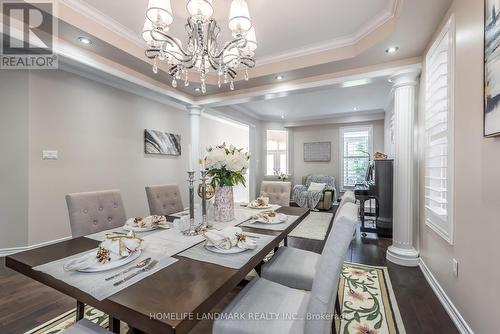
(171, 300)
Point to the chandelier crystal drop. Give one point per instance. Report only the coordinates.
(203, 52)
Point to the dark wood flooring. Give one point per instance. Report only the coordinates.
(25, 304)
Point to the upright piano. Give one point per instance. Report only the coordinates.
(378, 185)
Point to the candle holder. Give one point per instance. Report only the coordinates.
(192, 226)
(204, 221)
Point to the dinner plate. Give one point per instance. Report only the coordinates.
(139, 229)
(232, 250)
(98, 267)
(259, 207)
(271, 222)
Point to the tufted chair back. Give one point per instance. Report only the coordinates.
(164, 200)
(92, 212)
(277, 191)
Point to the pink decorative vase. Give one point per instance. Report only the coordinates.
(223, 204)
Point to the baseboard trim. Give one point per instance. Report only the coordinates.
(462, 326)
(9, 251)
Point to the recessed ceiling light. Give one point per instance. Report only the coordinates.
(197, 89)
(279, 77)
(282, 116)
(392, 49)
(355, 109)
(85, 40)
(358, 82)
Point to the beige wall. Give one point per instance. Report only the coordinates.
(323, 133)
(98, 132)
(476, 193)
(14, 114)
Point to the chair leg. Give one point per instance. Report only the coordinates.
(337, 306)
(285, 241)
(114, 325)
(80, 310)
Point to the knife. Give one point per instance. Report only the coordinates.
(139, 265)
(143, 270)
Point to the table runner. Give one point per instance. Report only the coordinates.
(272, 227)
(94, 283)
(235, 261)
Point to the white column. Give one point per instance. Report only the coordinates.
(194, 135)
(402, 251)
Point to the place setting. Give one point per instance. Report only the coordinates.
(230, 247)
(270, 220)
(119, 261)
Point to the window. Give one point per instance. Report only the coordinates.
(438, 134)
(355, 154)
(276, 156)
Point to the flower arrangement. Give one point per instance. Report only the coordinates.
(282, 176)
(226, 165)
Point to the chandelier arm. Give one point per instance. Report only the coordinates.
(167, 39)
(232, 44)
(248, 62)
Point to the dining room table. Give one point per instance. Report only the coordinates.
(171, 300)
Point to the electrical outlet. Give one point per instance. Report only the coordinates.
(455, 267)
(50, 155)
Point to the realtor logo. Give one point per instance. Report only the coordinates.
(28, 39)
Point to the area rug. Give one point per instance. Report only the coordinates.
(368, 304)
(314, 226)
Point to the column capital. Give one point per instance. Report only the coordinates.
(194, 110)
(405, 78)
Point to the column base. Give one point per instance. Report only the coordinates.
(402, 256)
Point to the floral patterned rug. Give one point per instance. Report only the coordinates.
(367, 302)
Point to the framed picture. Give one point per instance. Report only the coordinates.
(318, 152)
(157, 142)
(491, 68)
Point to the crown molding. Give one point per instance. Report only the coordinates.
(110, 23)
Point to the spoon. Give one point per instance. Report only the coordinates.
(141, 264)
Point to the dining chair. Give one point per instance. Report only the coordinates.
(296, 268)
(164, 199)
(92, 212)
(300, 311)
(85, 326)
(277, 191)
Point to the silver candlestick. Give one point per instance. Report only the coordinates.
(204, 178)
(192, 226)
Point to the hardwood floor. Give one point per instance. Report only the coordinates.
(25, 304)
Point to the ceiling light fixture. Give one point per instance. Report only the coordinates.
(84, 40)
(392, 49)
(358, 82)
(355, 108)
(203, 52)
(282, 116)
(279, 77)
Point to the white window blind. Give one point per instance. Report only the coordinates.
(276, 144)
(355, 154)
(438, 135)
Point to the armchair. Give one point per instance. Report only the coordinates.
(312, 200)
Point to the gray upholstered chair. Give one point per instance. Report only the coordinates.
(164, 199)
(262, 296)
(277, 191)
(92, 212)
(301, 194)
(85, 326)
(296, 268)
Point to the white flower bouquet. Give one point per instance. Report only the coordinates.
(226, 165)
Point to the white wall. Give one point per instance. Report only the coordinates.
(326, 133)
(215, 131)
(476, 190)
(99, 134)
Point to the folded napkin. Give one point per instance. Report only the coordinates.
(270, 217)
(114, 247)
(260, 201)
(228, 238)
(149, 221)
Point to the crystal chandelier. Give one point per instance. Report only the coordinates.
(203, 52)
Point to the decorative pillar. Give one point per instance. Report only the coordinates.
(194, 136)
(402, 251)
